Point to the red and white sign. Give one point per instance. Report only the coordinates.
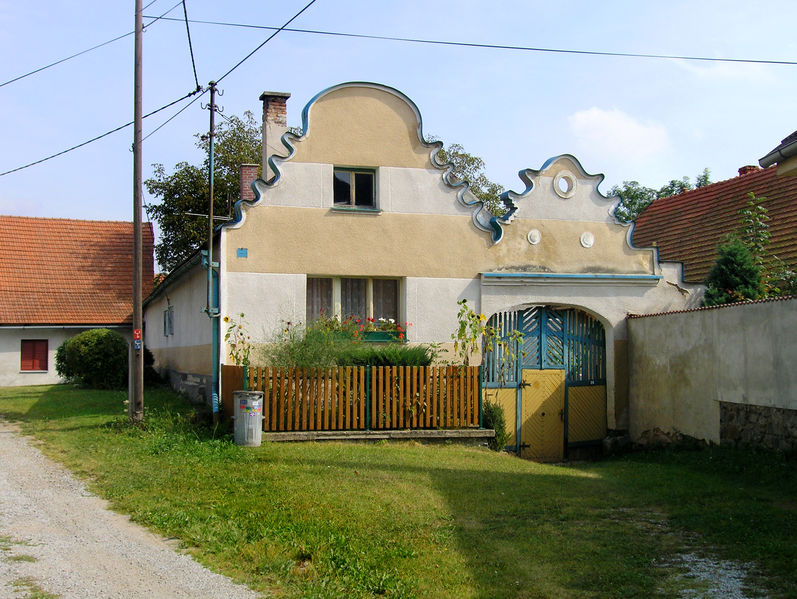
(136, 333)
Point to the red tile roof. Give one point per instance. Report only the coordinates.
(688, 227)
(62, 271)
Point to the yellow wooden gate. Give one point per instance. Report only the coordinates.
(542, 415)
(551, 383)
(586, 406)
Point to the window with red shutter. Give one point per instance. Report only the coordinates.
(33, 354)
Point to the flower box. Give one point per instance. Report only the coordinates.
(384, 336)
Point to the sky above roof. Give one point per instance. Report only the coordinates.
(643, 119)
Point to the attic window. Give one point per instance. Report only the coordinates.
(354, 188)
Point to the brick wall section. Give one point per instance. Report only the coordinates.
(248, 174)
(758, 426)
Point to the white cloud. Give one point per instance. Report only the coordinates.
(617, 135)
(714, 72)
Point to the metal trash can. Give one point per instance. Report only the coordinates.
(248, 417)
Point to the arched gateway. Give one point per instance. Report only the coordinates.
(549, 374)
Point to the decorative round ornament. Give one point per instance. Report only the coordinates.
(534, 237)
(564, 184)
(587, 239)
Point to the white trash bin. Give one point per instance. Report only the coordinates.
(248, 417)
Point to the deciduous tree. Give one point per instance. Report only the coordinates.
(186, 190)
(636, 197)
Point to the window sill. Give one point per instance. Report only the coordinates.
(33, 371)
(358, 209)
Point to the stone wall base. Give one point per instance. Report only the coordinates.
(195, 386)
(758, 426)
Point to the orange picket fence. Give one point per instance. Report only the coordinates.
(360, 397)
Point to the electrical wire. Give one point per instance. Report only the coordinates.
(267, 40)
(198, 91)
(496, 46)
(98, 137)
(116, 39)
(176, 114)
(239, 63)
(190, 46)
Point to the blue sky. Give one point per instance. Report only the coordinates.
(645, 119)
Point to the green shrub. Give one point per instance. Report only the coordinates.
(323, 346)
(389, 354)
(96, 358)
(493, 417)
(316, 348)
(61, 366)
(151, 376)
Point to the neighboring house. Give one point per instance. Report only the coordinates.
(59, 277)
(785, 156)
(689, 226)
(357, 217)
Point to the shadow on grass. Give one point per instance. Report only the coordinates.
(530, 530)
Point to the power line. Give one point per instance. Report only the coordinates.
(190, 47)
(496, 46)
(267, 40)
(116, 39)
(199, 91)
(176, 114)
(98, 137)
(239, 63)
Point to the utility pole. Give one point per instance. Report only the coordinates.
(136, 382)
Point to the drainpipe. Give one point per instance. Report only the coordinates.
(212, 307)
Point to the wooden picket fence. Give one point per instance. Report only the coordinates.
(361, 397)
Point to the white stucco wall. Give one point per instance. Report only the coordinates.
(188, 350)
(10, 346)
(682, 365)
(266, 300)
(431, 306)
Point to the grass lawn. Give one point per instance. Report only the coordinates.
(406, 520)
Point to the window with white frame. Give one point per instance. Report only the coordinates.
(354, 188)
(362, 298)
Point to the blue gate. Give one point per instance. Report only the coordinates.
(550, 339)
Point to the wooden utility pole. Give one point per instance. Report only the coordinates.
(136, 384)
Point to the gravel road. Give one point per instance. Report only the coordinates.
(58, 537)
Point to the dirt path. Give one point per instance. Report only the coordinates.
(57, 538)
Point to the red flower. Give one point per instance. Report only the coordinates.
(401, 335)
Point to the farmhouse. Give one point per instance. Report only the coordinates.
(356, 216)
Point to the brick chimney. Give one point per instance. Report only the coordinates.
(248, 174)
(275, 124)
(746, 170)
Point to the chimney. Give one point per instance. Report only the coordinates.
(746, 170)
(275, 124)
(248, 174)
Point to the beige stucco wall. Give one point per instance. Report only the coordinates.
(363, 126)
(287, 240)
(10, 346)
(683, 365)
